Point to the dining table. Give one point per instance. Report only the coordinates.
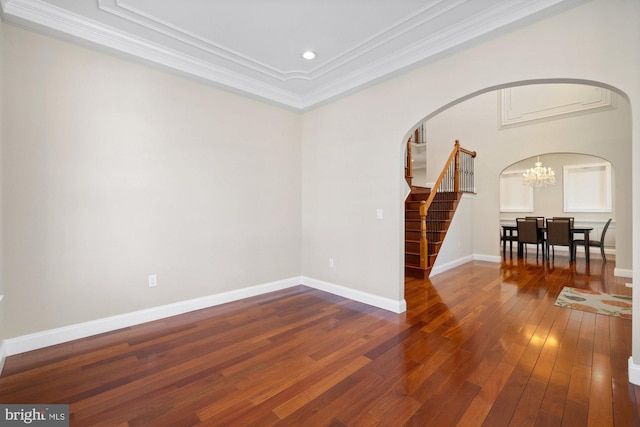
(508, 233)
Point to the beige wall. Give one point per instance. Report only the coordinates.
(352, 153)
(113, 171)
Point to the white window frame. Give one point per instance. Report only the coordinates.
(598, 171)
(507, 194)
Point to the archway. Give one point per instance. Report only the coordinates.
(597, 143)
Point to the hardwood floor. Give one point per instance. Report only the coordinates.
(481, 345)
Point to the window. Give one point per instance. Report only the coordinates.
(587, 187)
(514, 195)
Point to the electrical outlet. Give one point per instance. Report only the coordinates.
(331, 263)
(379, 214)
(153, 280)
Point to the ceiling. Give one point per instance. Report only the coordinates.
(255, 46)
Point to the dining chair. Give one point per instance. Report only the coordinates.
(504, 238)
(597, 243)
(528, 233)
(540, 220)
(559, 234)
(570, 218)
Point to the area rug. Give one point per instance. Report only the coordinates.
(595, 302)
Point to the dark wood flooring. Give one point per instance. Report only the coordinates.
(481, 345)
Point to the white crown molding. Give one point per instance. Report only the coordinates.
(45, 16)
(136, 16)
(29, 12)
(421, 17)
(464, 31)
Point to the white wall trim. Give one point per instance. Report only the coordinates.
(55, 336)
(634, 372)
(3, 355)
(622, 272)
(487, 258)
(514, 113)
(458, 262)
(618, 272)
(3, 352)
(44, 16)
(356, 295)
(437, 269)
(24, 343)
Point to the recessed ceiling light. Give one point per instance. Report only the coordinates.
(308, 54)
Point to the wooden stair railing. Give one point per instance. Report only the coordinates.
(436, 211)
(416, 137)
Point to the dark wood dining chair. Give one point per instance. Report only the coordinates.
(540, 220)
(597, 243)
(559, 234)
(528, 233)
(504, 238)
(569, 218)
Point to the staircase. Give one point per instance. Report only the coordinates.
(428, 212)
(438, 219)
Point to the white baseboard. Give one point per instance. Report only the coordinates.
(55, 336)
(437, 268)
(353, 294)
(3, 350)
(621, 272)
(21, 344)
(634, 372)
(488, 258)
(3, 355)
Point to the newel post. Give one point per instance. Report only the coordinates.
(424, 243)
(456, 179)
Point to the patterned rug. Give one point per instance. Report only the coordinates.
(595, 302)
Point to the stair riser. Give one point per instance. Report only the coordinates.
(419, 197)
(412, 259)
(412, 247)
(412, 214)
(413, 225)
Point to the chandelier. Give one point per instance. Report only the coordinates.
(539, 176)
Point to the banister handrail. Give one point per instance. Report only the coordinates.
(452, 157)
(469, 152)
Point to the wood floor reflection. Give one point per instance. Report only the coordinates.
(482, 344)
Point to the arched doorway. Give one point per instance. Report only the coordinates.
(477, 121)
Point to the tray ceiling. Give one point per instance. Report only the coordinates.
(255, 46)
